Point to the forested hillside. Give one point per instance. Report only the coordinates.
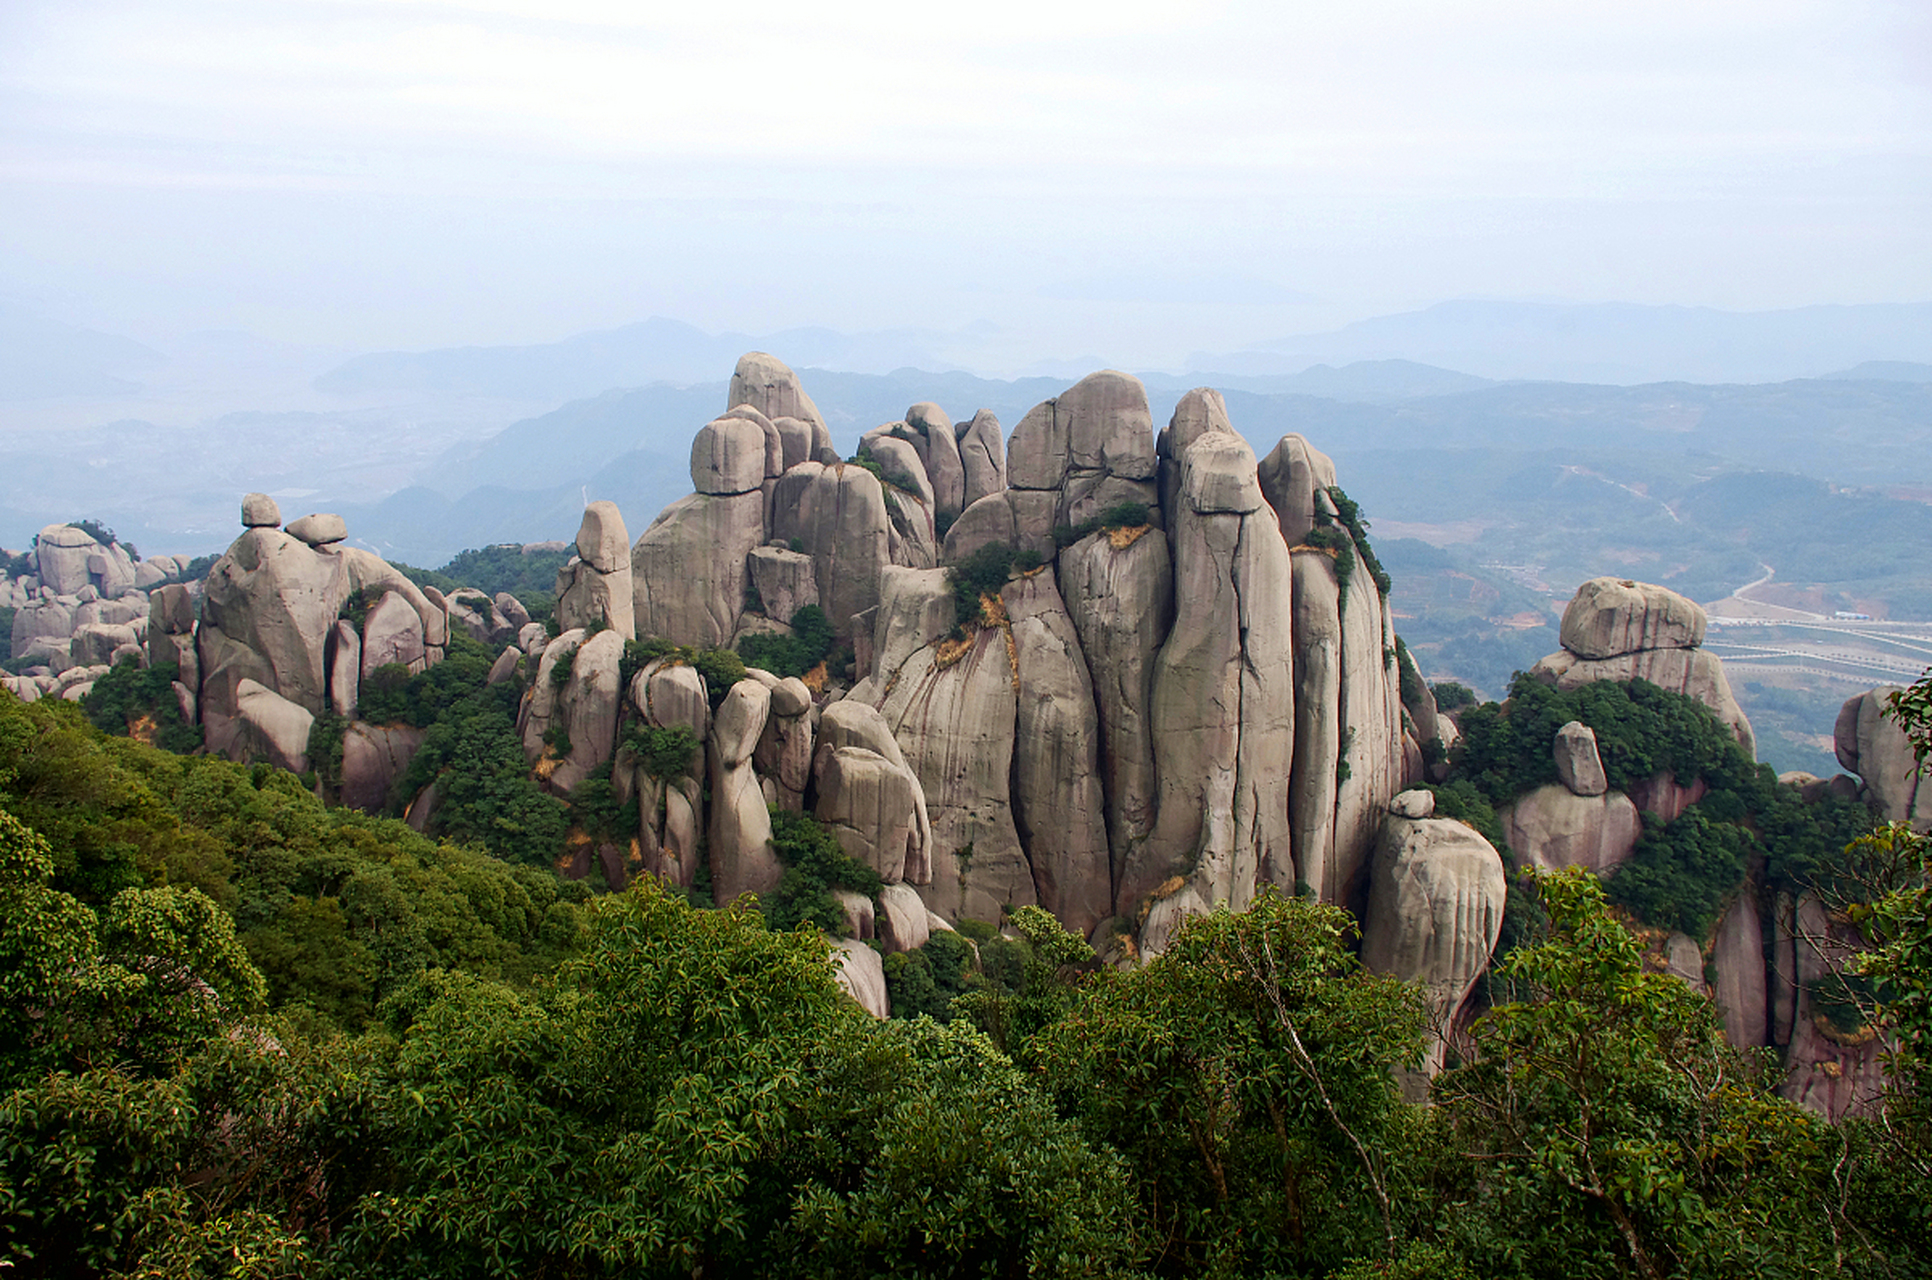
(252, 1036)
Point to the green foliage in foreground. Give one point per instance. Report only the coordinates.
(670, 1091)
(1609, 1130)
(334, 908)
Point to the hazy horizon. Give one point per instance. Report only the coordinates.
(1131, 181)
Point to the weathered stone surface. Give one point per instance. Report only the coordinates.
(1295, 476)
(1684, 960)
(742, 857)
(739, 722)
(588, 593)
(790, 697)
(1318, 655)
(148, 574)
(937, 440)
(270, 727)
(1877, 750)
(170, 635)
(1691, 672)
(673, 694)
(1413, 804)
(902, 919)
(1101, 423)
(1834, 1074)
(728, 457)
(532, 637)
(1612, 616)
(1223, 710)
(870, 804)
(374, 757)
(955, 723)
(839, 515)
(94, 644)
(1553, 828)
(1121, 601)
(768, 385)
(588, 710)
(784, 755)
(471, 613)
(774, 443)
(267, 610)
(61, 552)
(860, 918)
(1435, 909)
(786, 581)
(1165, 916)
(542, 709)
(982, 457)
(1664, 796)
(688, 568)
(1059, 808)
(795, 441)
(259, 511)
(899, 463)
(319, 530)
(1577, 762)
(602, 541)
(515, 616)
(505, 665)
(861, 971)
(1372, 740)
(44, 619)
(392, 633)
(1199, 411)
(910, 540)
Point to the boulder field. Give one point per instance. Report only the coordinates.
(1126, 676)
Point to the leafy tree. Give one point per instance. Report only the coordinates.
(1612, 1131)
(1247, 1075)
(924, 981)
(155, 973)
(1027, 981)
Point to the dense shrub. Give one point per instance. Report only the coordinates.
(983, 573)
(1682, 873)
(662, 752)
(923, 982)
(815, 865)
(808, 645)
(136, 701)
(1121, 515)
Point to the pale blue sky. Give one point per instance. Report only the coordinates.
(1139, 179)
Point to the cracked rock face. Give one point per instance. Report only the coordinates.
(1223, 713)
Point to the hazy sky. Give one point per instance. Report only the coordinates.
(1140, 179)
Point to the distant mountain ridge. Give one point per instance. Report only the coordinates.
(1619, 343)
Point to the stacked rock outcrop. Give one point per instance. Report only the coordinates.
(1180, 693)
(272, 646)
(1616, 629)
(80, 607)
